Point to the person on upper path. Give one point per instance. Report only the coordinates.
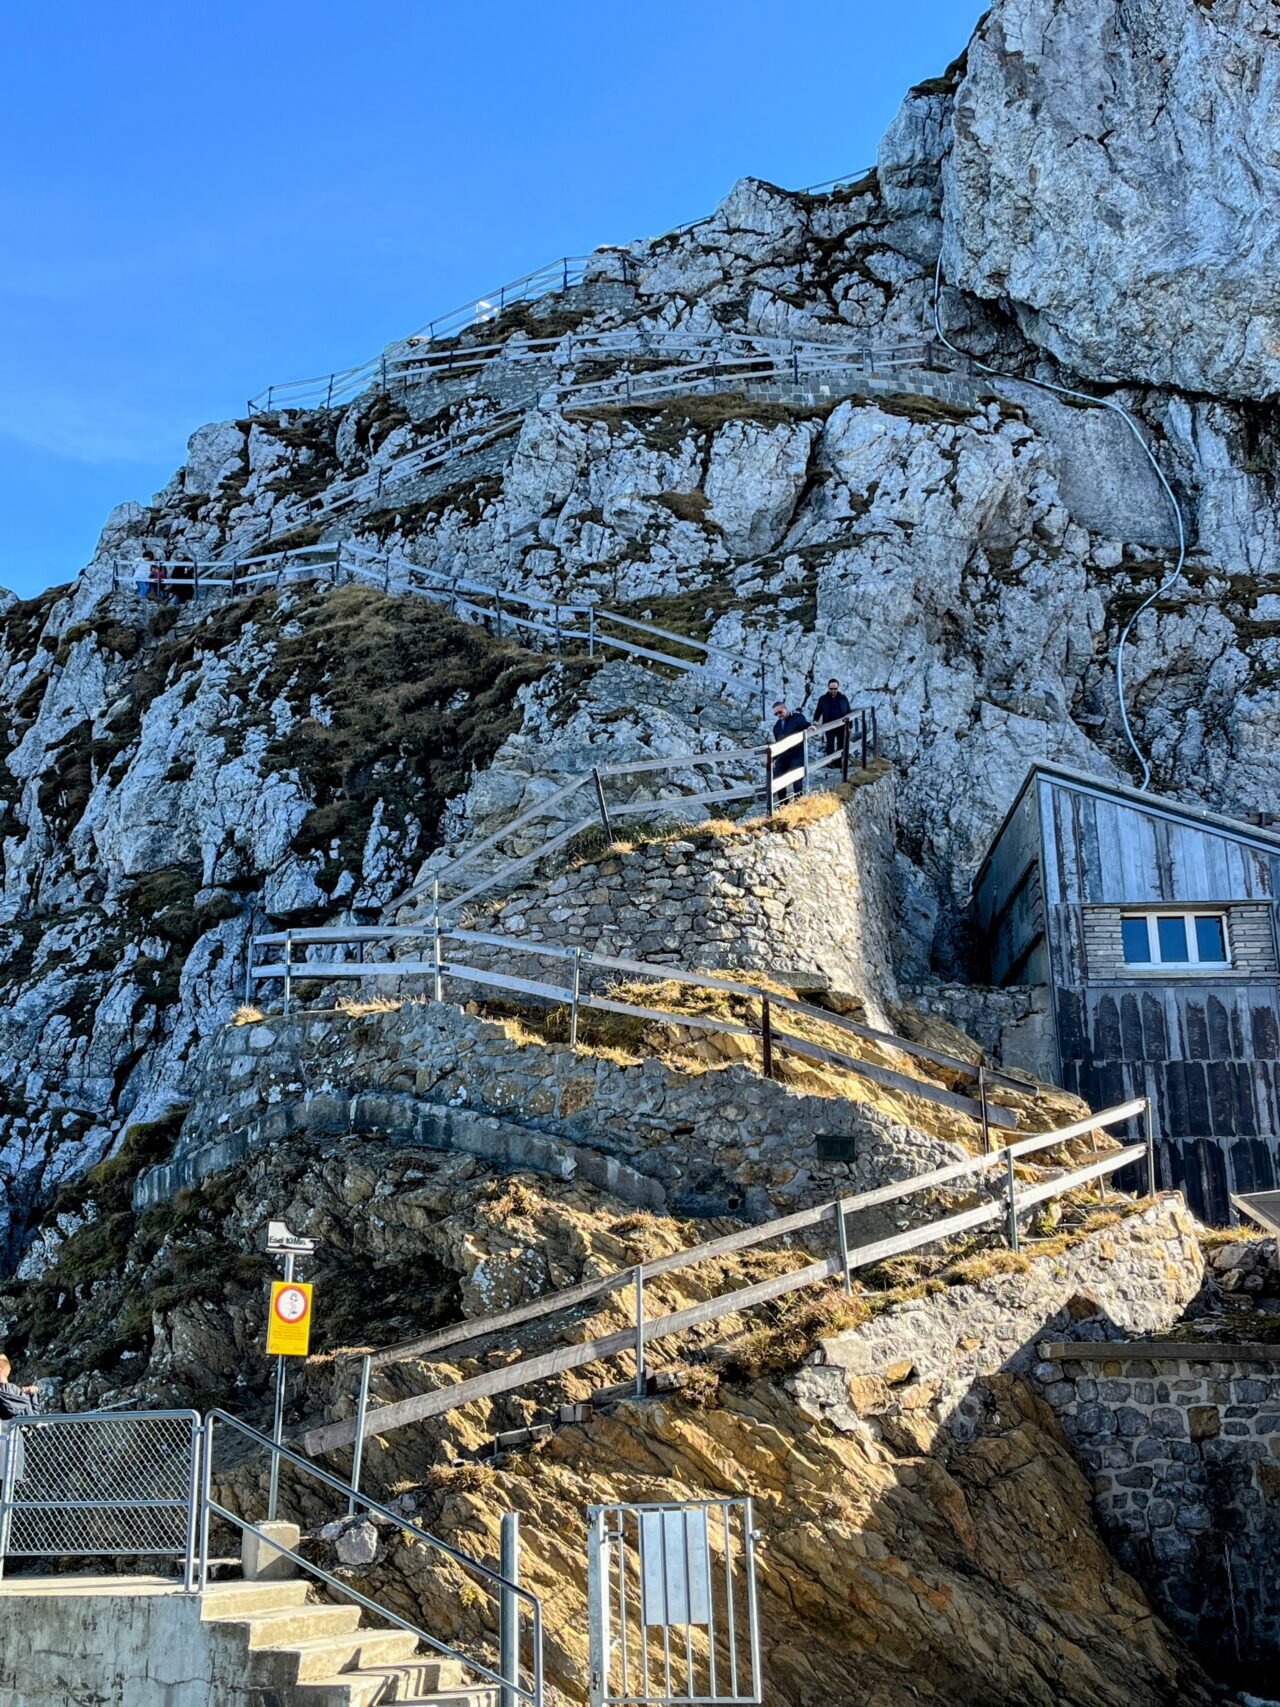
(832, 708)
(788, 723)
(16, 1401)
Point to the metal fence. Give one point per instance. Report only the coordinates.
(101, 1485)
(671, 1604)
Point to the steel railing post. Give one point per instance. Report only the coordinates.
(804, 761)
(206, 1480)
(591, 631)
(768, 781)
(864, 740)
(597, 1607)
(640, 1372)
(357, 1450)
(439, 968)
(875, 733)
(577, 991)
(1011, 1188)
(8, 1441)
(193, 1509)
(509, 1609)
(982, 1104)
(766, 1039)
(1149, 1126)
(753, 1610)
(842, 1240)
(288, 973)
(845, 744)
(604, 810)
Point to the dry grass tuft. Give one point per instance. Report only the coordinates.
(355, 1006)
(247, 1014)
(802, 1320)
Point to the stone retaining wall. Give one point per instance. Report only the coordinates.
(816, 900)
(923, 1357)
(1184, 1457)
(720, 1142)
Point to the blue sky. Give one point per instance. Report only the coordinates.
(202, 199)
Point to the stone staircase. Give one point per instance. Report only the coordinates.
(303, 1652)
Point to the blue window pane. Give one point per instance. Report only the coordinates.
(1211, 939)
(1173, 938)
(1137, 951)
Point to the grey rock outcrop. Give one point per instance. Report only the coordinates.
(1113, 176)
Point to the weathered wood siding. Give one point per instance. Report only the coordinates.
(1204, 1048)
(1009, 897)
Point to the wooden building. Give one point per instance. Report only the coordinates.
(1153, 927)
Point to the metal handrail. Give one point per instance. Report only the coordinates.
(506, 1590)
(560, 274)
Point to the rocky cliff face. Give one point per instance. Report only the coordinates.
(1099, 180)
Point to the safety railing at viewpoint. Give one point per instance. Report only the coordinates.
(1007, 1204)
(789, 768)
(105, 1484)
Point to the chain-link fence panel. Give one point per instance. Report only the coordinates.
(112, 1484)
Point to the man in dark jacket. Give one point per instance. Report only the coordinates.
(832, 707)
(788, 723)
(16, 1401)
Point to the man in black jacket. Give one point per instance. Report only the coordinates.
(788, 723)
(831, 708)
(16, 1401)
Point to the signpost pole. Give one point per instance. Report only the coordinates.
(277, 1427)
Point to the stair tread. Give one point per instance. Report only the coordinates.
(313, 1644)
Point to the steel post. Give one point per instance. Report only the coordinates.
(277, 1426)
(8, 1441)
(509, 1609)
(768, 781)
(864, 740)
(842, 1239)
(604, 810)
(640, 1374)
(189, 1566)
(766, 1039)
(357, 1451)
(982, 1103)
(1011, 1187)
(591, 631)
(577, 991)
(439, 968)
(206, 1478)
(804, 761)
(288, 973)
(597, 1606)
(1151, 1151)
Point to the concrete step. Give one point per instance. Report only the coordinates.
(417, 1678)
(356, 1650)
(244, 1600)
(362, 1689)
(290, 1625)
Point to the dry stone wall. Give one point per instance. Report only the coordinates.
(816, 899)
(720, 1142)
(1184, 1457)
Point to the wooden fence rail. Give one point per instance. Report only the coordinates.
(847, 1259)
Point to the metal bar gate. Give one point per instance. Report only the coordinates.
(671, 1604)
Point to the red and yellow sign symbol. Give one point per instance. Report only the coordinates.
(289, 1325)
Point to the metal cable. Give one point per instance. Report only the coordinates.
(1116, 409)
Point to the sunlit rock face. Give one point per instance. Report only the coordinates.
(1113, 175)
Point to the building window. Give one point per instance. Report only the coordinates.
(1175, 939)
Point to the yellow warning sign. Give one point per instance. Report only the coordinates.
(289, 1327)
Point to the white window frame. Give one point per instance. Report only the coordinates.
(1188, 916)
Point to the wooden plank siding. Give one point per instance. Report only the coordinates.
(1203, 1046)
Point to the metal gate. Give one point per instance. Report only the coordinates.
(672, 1610)
(101, 1484)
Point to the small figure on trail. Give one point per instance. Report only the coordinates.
(159, 583)
(788, 723)
(16, 1401)
(832, 708)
